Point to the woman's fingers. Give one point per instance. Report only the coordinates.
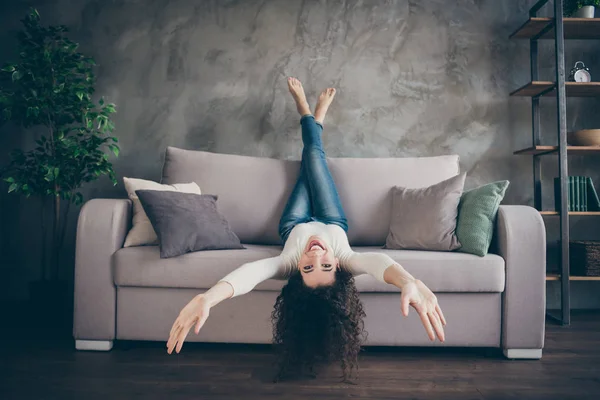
(176, 324)
(170, 345)
(181, 338)
(437, 325)
(172, 337)
(404, 305)
(172, 341)
(440, 314)
(427, 324)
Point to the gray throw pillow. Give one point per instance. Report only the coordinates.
(425, 218)
(186, 222)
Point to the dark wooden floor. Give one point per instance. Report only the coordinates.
(34, 369)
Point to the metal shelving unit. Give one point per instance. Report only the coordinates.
(557, 29)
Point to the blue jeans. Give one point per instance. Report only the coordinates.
(314, 197)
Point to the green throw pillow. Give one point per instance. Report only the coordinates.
(477, 215)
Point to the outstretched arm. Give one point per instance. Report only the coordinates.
(196, 313)
(414, 292)
(236, 283)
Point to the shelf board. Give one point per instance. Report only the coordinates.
(556, 277)
(574, 28)
(546, 88)
(577, 213)
(543, 150)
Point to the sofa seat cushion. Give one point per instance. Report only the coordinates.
(441, 271)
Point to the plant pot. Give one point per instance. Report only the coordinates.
(584, 12)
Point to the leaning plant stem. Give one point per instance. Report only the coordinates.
(44, 240)
(55, 234)
(63, 229)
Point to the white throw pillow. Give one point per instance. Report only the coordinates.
(141, 232)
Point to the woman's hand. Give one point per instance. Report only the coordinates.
(194, 313)
(417, 295)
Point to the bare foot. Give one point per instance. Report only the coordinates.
(297, 92)
(325, 99)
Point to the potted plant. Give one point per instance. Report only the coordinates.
(580, 8)
(49, 91)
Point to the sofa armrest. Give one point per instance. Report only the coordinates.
(521, 239)
(101, 231)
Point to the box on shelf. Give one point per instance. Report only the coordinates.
(584, 258)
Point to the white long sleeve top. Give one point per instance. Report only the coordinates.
(246, 277)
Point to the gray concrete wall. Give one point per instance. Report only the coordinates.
(414, 78)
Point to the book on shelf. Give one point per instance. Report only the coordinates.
(592, 198)
(576, 197)
(581, 194)
(585, 193)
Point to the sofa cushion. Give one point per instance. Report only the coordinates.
(187, 222)
(142, 233)
(477, 217)
(425, 218)
(441, 271)
(253, 190)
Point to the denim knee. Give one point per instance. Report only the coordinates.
(314, 151)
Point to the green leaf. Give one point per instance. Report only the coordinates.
(79, 96)
(110, 109)
(34, 14)
(78, 199)
(115, 149)
(16, 76)
(101, 102)
(10, 179)
(13, 187)
(56, 171)
(8, 68)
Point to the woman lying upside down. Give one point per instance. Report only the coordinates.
(318, 316)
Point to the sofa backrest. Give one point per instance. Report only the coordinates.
(253, 191)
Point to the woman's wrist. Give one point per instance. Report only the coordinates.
(221, 291)
(396, 275)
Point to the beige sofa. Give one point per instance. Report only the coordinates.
(131, 294)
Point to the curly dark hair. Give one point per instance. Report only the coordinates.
(312, 327)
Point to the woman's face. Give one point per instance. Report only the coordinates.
(317, 264)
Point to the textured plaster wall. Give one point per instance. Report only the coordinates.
(414, 78)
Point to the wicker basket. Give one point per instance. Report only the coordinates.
(584, 258)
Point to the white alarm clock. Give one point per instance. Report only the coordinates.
(580, 73)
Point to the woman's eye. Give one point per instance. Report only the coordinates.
(326, 266)
(308, 268)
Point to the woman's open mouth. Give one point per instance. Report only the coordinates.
(315, 245)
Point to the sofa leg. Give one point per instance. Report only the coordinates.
(523, 354)
(94, 345)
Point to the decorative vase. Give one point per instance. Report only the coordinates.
(584, 12)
